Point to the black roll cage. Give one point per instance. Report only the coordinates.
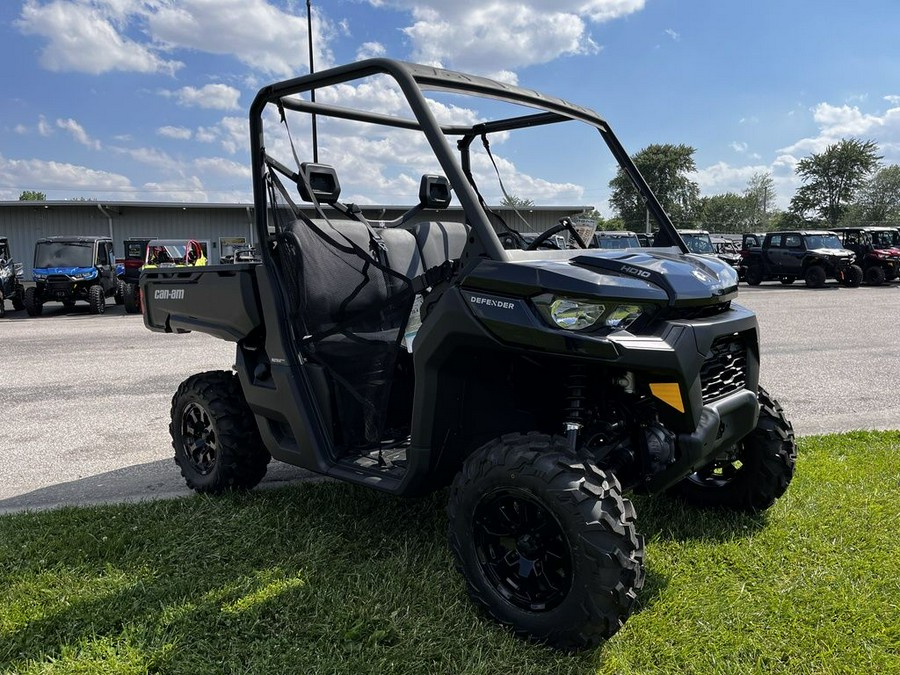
(413, 79)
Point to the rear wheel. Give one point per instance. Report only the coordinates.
(2, 305)
(96, 299)
(214, 434)
(120, 290)
(755, 473)
(33, 304)
(874, 275)
(546, 543)
(131, 295)
(815, 276)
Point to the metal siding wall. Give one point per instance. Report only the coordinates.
(24, 225)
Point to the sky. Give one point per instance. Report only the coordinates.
(147, 100)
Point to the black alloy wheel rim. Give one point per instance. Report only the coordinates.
(522, 549)
(198, 438)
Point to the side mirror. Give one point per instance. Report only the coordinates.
(434, 192)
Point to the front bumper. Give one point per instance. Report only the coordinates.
(723, 424)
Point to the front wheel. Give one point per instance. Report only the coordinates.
(815, 276)
(754, 275)
(852, 276)
(119, 295)
(33, 304)
(18, 298)
(97, 299)
(875, 275)
(546, 542)
(214, 434)
(753, 474)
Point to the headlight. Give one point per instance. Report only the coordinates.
(623, 316)
(575, 314)
(39, 277)
(578, 314)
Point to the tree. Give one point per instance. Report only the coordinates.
(516, 202)
(833, 178)
(729, 212)
(665, 168)
(32, 196)
(760, 195)
(879, 199)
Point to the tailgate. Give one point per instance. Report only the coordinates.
(221, 300)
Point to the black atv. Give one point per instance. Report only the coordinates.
(407, 355)
(10, 279)
(69, 269)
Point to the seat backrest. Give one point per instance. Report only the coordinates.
(439, 242)
(335, 284)
(402, 252)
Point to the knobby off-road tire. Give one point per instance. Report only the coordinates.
(119, 295)
(754, 275)
(874, 275)
(96, 299)
(852, 276)
(18, 298)
(2, 305)
(33, 305)
(759, 471)
(214, 434)
(546, 543)
(815, 276)
(131, 295)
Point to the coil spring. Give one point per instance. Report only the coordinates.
(575, 386)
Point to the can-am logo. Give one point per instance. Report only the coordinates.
(635, 271)
(168, 294)
(490, 302)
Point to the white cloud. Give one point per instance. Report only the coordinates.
(838, 122)
(179, 133)
(893, 100)
(672, 34)
(83, 37)
(186, 189)
(503, 35)
(738, 146)
(78, 133)
(21, 129)
(34, 174)
(43, 127)
(369, 50)
(222, 167)
(211, 96)
(152, 157)
(257, 32)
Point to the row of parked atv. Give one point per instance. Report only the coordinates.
(71, 269)
(849, 255)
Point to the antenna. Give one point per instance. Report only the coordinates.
(312, 69)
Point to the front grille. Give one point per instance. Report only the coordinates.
(59, 282)
(725, 369)
(699, 312)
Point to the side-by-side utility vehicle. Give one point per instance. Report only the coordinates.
(11, 287)
(69, 269)
(411, 354)
(811, 255)
(135, 254)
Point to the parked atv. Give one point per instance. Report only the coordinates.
(130, 276)
(10, 279)
(174, 253)
(412, 354)
(70, 269)
(877, 251)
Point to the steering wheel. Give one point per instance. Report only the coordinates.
(563, 224)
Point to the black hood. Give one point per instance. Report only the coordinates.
(661, 276)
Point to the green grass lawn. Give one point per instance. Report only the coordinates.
(328, 578)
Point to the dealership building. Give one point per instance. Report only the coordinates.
(219, 227)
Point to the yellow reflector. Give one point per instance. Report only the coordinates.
(668, 392)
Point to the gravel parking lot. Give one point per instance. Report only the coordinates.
(86, 398)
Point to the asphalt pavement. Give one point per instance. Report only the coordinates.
(85, 403)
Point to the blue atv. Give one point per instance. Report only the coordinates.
(69, 269)
(11, 287)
